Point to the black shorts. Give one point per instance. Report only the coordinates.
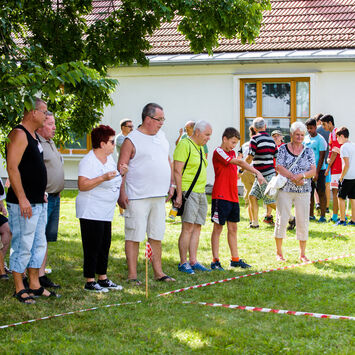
(347, 189)
(3, 220)
(223, 211)
(319, 185)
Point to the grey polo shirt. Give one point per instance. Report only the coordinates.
(54, 164)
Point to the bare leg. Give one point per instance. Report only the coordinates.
(335, 201)
(255, 209)
(327, 193)
(43, 266)
(322, 202)
(33, 275)
(195, 238)
(2, 266)
(232, 239)
(279, 247)
(5, 237)
(217, 230)
(184, 240)
(352, 202)
(156, 259)
(303, 250)
(342, 208)
(132, 249)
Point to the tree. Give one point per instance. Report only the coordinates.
(53, 48)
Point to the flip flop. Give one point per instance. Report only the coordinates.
(134, 282)
(166, 278)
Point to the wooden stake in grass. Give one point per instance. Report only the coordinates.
(148, 256)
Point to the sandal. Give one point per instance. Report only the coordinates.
(4, 277)
(27, 300)
(134, 282)
(166, 278)
(39, 292)
(280, 258)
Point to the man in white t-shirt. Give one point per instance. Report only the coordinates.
(347, 177)
(144, 189)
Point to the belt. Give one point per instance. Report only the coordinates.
(55, 194)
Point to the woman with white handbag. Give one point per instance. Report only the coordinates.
(296, 163)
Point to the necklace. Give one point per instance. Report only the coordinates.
(296, 150)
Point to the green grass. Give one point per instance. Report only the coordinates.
(166, 325)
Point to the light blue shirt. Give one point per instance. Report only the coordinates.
(317, 144)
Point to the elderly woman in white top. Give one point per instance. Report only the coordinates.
(296, 190)
(99, 185)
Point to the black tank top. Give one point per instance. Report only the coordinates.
(32, 170)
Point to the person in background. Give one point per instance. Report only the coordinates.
(246, 176)
(189, 129)
(325, 135)
(347, 177)
(225, 200)
(334, 162)
(317, 143)
(188, 160)
(126, 128)
(55, 184)
(296, 190)
(99, 187)
(278, 137)
(262, 151)
(5, 234)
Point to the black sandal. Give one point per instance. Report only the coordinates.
(39, 292)
(166, 278)
(134, 282)
(24, 299)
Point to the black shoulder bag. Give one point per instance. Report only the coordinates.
(184, 198)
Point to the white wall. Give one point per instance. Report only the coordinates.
(211, 92)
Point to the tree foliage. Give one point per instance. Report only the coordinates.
(55, 49)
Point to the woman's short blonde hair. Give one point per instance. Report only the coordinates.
(298, 125)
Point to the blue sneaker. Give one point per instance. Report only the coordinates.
(186, 268)
(240, 263)
(312, 218)
(351, 223)
(340, 223)
(216, 266)
(199, 267)
(322, 220)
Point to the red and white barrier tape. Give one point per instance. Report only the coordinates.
(255, 273)
(270, 310)
(67, 313)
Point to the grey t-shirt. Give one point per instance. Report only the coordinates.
(325, 135)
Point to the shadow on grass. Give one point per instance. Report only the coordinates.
(328, 235)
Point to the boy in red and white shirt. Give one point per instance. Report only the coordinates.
(333, 160)
(225, 201)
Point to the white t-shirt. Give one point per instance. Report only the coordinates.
(149, 171)
(348, 150)
(98, 203)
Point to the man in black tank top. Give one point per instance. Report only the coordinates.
(27, 203)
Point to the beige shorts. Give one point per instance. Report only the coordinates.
(248, 180)
(283, 212)
(334, 181)
(145, 217)
(195, 210)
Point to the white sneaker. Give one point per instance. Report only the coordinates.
(94, 287)
(109, 284)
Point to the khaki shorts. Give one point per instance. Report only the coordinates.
(195, 210)
(283, 213)
(248, 180)
(145, 217)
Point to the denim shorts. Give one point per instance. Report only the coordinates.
(28, 246)
(52, 217)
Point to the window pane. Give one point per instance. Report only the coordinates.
(282, 124)
(80, 143)
(250, 100)
(302, 98)
(276, 99)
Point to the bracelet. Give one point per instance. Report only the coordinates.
(172, 185)
(304, 175)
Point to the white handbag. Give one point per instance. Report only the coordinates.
(279, 181)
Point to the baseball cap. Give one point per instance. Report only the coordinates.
(276, 132)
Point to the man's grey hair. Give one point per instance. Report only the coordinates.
(49, 113)
(201, 125)
(258, 123)
(298, 125)
(149, 110)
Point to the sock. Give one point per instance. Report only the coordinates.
(215, 259)
(335, 217)
(235, 259)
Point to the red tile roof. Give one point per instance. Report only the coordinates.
(291, 24)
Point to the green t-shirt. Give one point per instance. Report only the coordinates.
(182, 150)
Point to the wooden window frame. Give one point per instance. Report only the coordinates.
(70, 151)
(259, 82)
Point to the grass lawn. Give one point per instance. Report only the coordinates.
(166, 325)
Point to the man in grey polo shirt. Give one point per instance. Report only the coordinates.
(55, 184)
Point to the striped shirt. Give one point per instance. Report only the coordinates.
(263, 149)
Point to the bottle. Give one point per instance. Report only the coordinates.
(173, 212)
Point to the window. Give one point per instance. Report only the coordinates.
(280, 101)
(80, 145)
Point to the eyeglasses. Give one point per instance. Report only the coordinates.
(129, 126)
(45, 112)
(162, 119)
